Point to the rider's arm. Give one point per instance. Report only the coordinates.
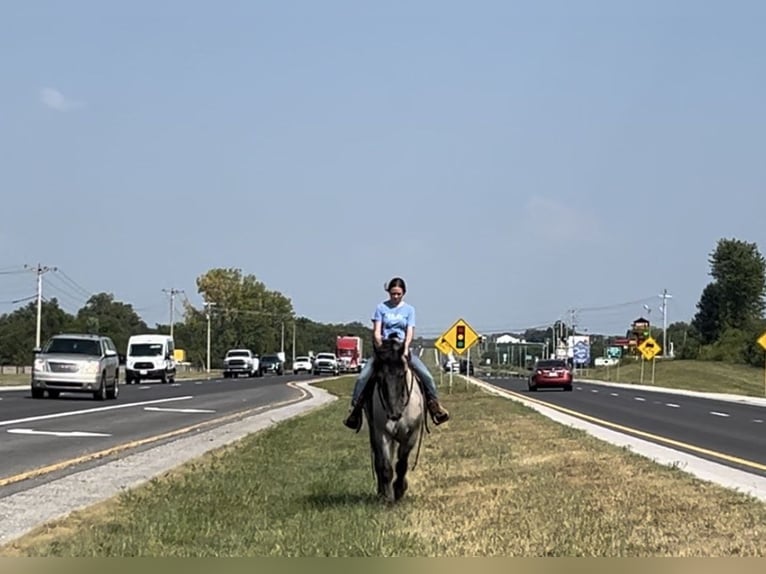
(408, 338)
(377, 334)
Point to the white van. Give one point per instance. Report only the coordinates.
(150, 357)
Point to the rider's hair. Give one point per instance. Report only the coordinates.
(396, 282)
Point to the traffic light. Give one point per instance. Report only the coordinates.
(460, 337)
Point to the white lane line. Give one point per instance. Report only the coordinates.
(199, 382)
(615, 394)
(757, 421)
(167, 410)
(717, 414)
(594, 390)
(93, 410)
(673, 405)
(642, 399)
(175, 384)
(143, 388)
(57, 433)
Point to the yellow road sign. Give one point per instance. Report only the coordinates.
(762, 340)
(443, 346)
(649, 348)
(460, 337)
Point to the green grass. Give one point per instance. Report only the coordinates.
(706, 376)
(497, 480)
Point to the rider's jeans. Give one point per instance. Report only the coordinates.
(415, 363)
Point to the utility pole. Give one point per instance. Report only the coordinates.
(40, 270)
(665, 296)
(293, 342)
(283, 338)
(172, 292)
(207, 314)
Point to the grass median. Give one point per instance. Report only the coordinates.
(497, 480)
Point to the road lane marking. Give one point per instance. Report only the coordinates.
(642, 399)
(64, 464)
(93, 410)
(757, 421)
(56, 433)
(673, 405)
(167, 410)
(615, 394)
(622, 428)
(717, 414)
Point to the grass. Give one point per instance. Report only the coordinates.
(706, 376)
(10, 380)
(497, 480)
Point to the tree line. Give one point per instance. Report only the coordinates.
(242, 312)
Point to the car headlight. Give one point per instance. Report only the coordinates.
(90, 368)
(40, 365)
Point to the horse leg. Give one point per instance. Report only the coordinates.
(402, 465)
(384, 470)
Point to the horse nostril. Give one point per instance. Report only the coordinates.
(394, 417)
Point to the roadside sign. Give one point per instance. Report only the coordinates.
(460, 337)
(443, 346)
(614, 352)
(762, 340)
(581, 353)
(649, 348)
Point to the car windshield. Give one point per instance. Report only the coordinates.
(145, 350)
(551, 365)
(73, 347)
(237, 354)
(302, 360)
(325, 356)
(270, 359)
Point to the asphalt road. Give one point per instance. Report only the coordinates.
(50, 433)
(726, 432)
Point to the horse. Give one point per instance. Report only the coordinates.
(395, 414)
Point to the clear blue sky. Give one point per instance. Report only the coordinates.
(511, 160)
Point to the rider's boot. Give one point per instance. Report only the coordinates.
(438, 413)
(354, 418)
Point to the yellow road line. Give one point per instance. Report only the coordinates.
(658, 438)
(42, 471)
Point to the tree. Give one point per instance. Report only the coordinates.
(735, 297)
(105, 316)
(18, 329)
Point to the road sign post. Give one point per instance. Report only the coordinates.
(460, 337)
(649, 350)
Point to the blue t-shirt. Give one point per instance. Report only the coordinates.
(394, 319)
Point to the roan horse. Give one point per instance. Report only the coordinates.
(394, 408)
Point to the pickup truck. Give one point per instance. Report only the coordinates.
(326, 363)
(241, 362)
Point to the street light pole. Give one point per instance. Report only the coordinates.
(665, 296)
(207, 307)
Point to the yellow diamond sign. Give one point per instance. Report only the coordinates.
(762, 340)
(443, 346)
(649, 348)
(460, 337)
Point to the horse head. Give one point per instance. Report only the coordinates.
(392, 376)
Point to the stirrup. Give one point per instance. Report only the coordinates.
(354, 419)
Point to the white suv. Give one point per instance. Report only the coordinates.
(326, 363)
(241, 362)
(74, 363)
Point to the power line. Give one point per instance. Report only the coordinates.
(40, 270)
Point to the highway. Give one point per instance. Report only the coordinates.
(51, 434)
(727, 432)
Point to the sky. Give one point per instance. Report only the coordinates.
(511, 160)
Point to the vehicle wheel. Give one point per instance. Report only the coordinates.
(100, 394)
(38, 393)
(114, 392)
(532, 388)
(53, 394)
(164, 380)
(568, 387)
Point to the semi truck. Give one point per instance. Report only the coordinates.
(348, 349)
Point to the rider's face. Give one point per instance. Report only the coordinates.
(396, 294)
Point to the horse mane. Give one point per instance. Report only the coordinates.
(390, 354)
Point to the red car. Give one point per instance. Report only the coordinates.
(550, 373)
